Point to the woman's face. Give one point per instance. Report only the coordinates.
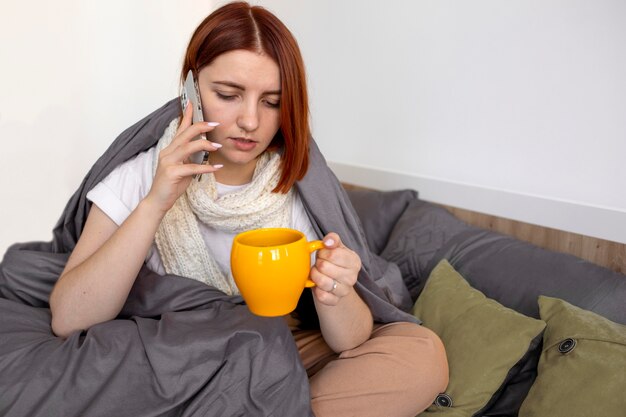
(240, 90)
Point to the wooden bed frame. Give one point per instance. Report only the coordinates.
(611, 255)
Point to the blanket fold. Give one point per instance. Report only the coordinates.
(179, 347)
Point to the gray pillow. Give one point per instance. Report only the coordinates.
(379, 211)
(515, 273)
(418, 235)
(505, 269)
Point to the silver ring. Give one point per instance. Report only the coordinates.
(334, 285)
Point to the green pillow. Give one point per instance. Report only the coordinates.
(582, 368)
(484, 340)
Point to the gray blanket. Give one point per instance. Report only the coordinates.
(179, 347)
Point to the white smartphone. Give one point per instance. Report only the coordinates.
(190, 93)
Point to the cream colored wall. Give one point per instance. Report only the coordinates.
(513, 108)
(74, 74)
(510, 108)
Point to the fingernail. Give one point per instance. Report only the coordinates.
(218, 166)
(329, 242)
(217, 145)
(212, 124)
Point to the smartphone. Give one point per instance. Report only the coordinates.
(189, 93)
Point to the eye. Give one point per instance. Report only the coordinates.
(225, 97)
(275, 104)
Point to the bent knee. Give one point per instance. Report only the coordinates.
(426, 356)
(439, 370)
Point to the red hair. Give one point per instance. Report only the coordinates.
(253, 28)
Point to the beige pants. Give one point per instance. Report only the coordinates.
(397, 372)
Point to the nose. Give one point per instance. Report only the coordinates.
(248, 118)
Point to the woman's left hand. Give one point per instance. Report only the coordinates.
(335, 271)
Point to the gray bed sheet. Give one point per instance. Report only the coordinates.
(179, 347)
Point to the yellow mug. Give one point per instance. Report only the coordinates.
(271, 268)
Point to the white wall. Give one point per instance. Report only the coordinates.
(514, 108)
(73, 75)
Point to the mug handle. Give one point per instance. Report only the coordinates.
(313, 246)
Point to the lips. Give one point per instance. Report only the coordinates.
(244, 140)
(244, 144)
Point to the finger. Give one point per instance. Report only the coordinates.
(181, 154)
(325, 297)
(338, 285)
(341, 257)
(327, 283)
(187, 117)
(187, 136)
(332, 240)
(330, 272)
(192, 132)
(188, 170)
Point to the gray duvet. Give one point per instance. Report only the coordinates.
(179, 347)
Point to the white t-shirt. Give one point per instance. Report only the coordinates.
(124, 188)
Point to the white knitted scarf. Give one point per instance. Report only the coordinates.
(178, 238)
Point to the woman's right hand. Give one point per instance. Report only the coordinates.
(174, 170)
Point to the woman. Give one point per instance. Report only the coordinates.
(180, 218)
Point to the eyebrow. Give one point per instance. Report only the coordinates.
(241, 87)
